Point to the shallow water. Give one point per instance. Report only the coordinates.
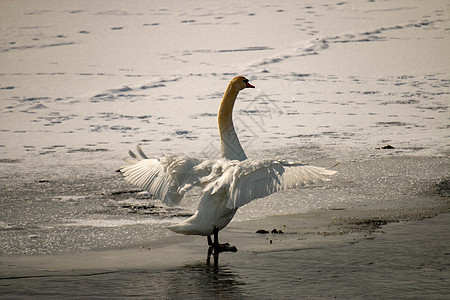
(62, 138)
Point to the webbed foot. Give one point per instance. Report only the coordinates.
(224, 248)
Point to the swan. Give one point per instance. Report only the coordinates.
(227, 183)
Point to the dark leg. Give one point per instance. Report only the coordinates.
(220, 247)
(216, 237)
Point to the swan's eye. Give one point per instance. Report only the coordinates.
(245, 81)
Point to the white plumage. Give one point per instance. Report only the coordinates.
(168, 178)
(227, 183)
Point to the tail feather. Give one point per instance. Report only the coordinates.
(134, 158)
(141, 153)
(131, 153)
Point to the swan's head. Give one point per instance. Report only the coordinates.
(241, 83)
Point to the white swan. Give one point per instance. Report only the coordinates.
(227, 183)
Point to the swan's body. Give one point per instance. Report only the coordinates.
(227, 183)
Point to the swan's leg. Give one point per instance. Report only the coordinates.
(221, 247)
(216, 237)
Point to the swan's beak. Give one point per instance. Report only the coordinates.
(248, 85)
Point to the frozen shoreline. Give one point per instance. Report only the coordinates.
(87, 210)
(79, 209)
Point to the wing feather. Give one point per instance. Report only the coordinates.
(168, 178)
(257, 179)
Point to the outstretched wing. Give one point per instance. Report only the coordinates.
(168, 178)
(257, 179)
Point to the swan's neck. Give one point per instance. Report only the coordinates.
(230, 146)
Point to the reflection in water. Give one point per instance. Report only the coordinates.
(205, 280)
(215, 255)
